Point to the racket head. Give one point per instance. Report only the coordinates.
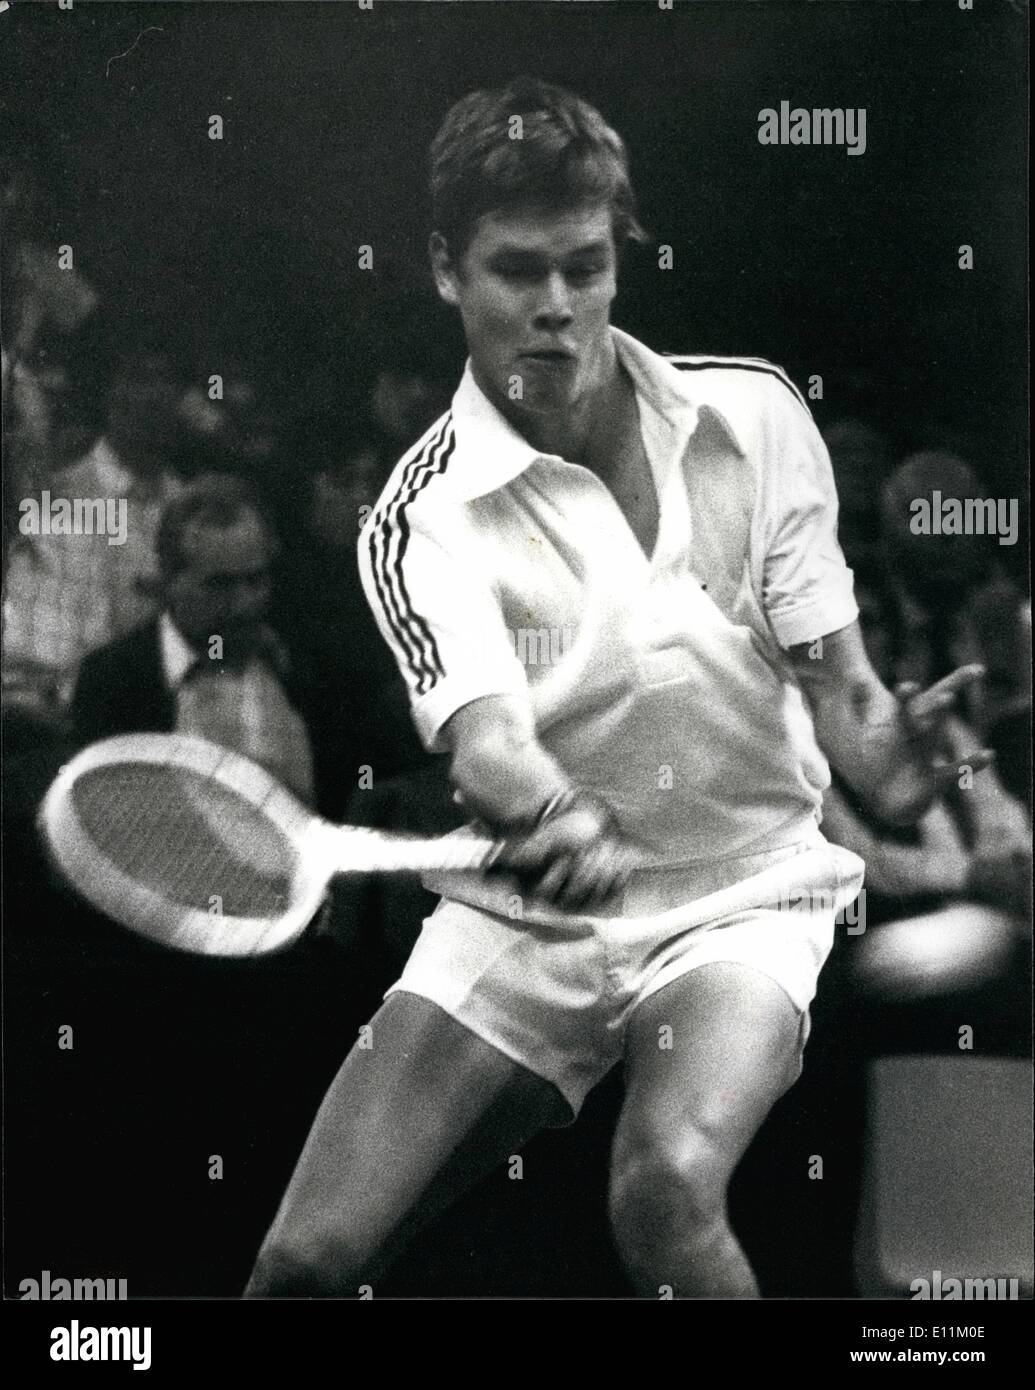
(186, 843)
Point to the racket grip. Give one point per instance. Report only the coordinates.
(449, 855)
(380, 852)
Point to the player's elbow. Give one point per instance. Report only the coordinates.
(484, 756)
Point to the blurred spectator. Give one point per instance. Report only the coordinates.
(320, 599)
(947, 901)
(39, 294)
(878, 620)
(345, 486)
(861, 459)
(413, 350)
(208, 664)
(55, 399)
(235, 424)
(414, 357)
(66, 594)
(1010, 731)
(45, 310)
(953, 601)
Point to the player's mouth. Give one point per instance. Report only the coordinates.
(549, 357)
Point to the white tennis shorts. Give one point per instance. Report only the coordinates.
(555, 991)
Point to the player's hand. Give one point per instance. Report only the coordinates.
(932, 762)
(576, 859)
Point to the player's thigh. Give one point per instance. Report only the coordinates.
(706, 1059)
(421, 1105)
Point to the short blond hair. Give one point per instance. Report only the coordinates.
(567, 155)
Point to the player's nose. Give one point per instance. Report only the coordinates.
(554, 307)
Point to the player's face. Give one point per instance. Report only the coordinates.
(534, 289)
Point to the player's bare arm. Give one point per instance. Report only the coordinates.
(895, 750)
(497, 764)
(565, 843)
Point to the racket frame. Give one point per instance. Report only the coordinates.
(149, 913)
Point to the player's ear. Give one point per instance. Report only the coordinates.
(442, 268)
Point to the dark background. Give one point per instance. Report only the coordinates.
(824, 262)
(843, 266)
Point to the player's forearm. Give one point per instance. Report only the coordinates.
(498, 766)
(568, 848)
(858, 728)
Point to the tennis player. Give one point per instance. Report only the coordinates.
(613, 585)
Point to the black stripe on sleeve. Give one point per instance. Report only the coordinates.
(380, 539)
(749, 365)
(389, 539)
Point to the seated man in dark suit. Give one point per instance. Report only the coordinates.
(209, 664)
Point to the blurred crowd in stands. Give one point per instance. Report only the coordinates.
(241, 505)
(244, 502)
(958, 885)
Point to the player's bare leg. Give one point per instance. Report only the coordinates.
(407, 1125)
(689, 1114)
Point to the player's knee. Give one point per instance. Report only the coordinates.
(660, 1186)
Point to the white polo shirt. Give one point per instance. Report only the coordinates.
(659, 683)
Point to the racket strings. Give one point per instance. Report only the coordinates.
(186, 837)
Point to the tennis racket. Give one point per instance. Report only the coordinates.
(200, 849)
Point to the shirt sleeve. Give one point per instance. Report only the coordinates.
(434, 603)
(807, 587)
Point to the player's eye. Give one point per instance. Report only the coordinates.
(585, 271)
(518, 271)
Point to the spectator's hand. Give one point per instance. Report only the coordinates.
(576, 858)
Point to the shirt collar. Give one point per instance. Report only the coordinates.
(488, 452)
(178, 656)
